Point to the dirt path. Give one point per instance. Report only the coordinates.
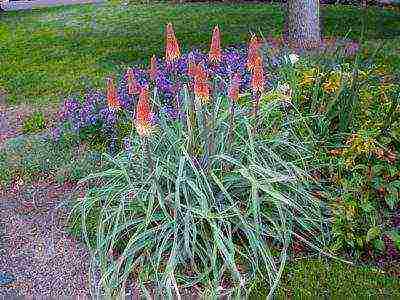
(12, 117)
(37, 255)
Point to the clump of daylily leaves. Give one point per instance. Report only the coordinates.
(208, 198)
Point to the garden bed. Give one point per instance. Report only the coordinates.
(209, 158)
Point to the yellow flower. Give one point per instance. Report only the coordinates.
(364, 74)
(387, 87)
(350, 211)
(381, 70)
(332, 85)
(309, 78)
(349, 162)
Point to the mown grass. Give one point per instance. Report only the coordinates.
(319, 279)
(50, 53)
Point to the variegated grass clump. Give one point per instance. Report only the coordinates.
(204, 203)
(212, 223)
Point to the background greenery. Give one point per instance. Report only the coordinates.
(51, 53)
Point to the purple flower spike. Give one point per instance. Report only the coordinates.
(351, 49)
(68, 109)
(171, 112)
(56, 134)
(128, 147)
(154, 119)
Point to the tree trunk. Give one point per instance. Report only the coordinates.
(302, 26)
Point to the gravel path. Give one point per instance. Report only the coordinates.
(35, 248)
(11, 119)
(37, 255)
(26, 5)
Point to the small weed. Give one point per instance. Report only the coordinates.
(34, 123)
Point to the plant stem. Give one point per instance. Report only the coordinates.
(211, 133)
(206, 137)
(391, 112)
(146, 150)
(256, 104)
(191, 122)
(230, 133)
(231, 124)
(211, 121)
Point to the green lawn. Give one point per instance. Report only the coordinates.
(50, 53)
(316, 279)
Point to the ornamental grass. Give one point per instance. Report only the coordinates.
(207, 199)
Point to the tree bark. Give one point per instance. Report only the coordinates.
(302, 26)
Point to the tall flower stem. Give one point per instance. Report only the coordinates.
(201, 116)
(225, 166)
(256, 105)
(231, 125)
(191, 122)
(206, 137)
(177, 92)
(147, 153)
(211, 123)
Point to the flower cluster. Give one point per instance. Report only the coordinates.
(232, 71)
(92, 110)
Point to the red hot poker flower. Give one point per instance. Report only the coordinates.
(233, 90)
(143, 114)
(201, 87)
(200, 72)
(253, 53)
(215, 49)
(257, 78)
(172, 51)
(112, 95)
(153, 68)
(133, 85)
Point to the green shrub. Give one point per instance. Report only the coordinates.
(204, 200)
(354, 111)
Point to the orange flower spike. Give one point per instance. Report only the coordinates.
(143, 106)
(253, 54)
(233, 90)
(257, 78)
(172, 51)
(112, 95)
(133, 85)
(200, 73)
(143, 113)
(201, 87)
(215, 49)
(153, 68)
